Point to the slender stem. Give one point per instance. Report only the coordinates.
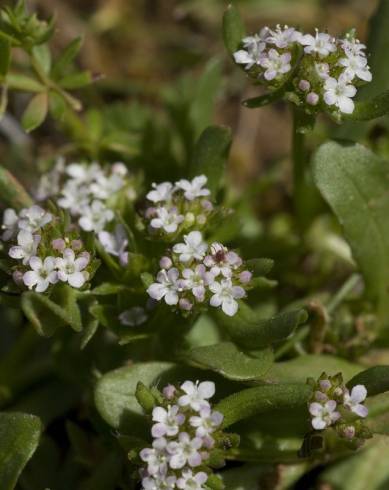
(299, 158)
(344, 291)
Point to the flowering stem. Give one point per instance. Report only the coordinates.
(300, 162)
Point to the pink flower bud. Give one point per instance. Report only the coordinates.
(325, 384)
(185, 304)
(150, 212)
(58, 244)
(349, 432)
(304, 85)
(245, 277)
(165, 263)
(207, 205)
(169, 391)
(312, 98)
(76, 244)
(17, 276)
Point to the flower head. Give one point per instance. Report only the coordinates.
(167, 219)
(33, 218)
(193, 247)
(95, 216)
(41, 275)
(26, 247)
(168, 421)
(323, 415)
(72, 269)
(322, 44)
(167, 286)
(192, 481)
(276, 64)
(161, 192)
(339, 93)
(115, 243)
(196, 394)
(225, 295)
(353, 401)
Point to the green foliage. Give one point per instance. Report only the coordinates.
(351, 177)
(233, 29)
(226, 359)
(376, 380)
(19, 435)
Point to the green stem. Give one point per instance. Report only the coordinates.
(299, 158)
(343, 292)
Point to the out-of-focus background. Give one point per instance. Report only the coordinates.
(143, 48)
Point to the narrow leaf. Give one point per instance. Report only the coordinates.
(67, 56)
(5, 57)
(24, 83)
(12, 192)
(375, 379)
(253, 333)
(210, 155)
(226, 359)
(233, 29)
(365, 110)
(36, 112)
(262, 399)
(355, 183)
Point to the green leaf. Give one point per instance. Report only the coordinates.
(299, 369)
(42, 57)
(262, 399)
(226, 359)
(67, 56)
(5, 57)
(355, 182)
(233, 29)
(115, 395)
(36, 111)
(265, 99)
(203, 102)
(375, 379)
(107, 288)
(19, 438)
(24, 83)
(12, 192)
(47, 315)
(76, 80)
(365, 110)
(365, 470)
(210, 155)
(251, 332)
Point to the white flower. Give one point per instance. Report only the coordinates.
(104, 186)
(33, 218)
(276, 64)
(222, 261)
(42, 274)
(356, 66)
(26, 247)
(73, 197)
(339, 93)
(167, 286)
(185, 451)
(84, 174)
(322, 43)
(207, 421)
(95, 216)
(133, 317)
(196, 395)
(161, 192)
(225, 295)
(159, 482)
(353, 47)
(156, 458)
(194, 247)
(283, 38)
(115, 243)
(10, 224)
(194, 188)
(190, 481)
(71, 269)
(196, 280)
(167, 219)
(168, 421)
(252, 53)
(323, 415)
(354, 400)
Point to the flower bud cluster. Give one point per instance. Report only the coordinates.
(196, 273)
(185, 430)
(333, 405)
(43, 258)
(322, 72)
(89, 193)
(178, 207)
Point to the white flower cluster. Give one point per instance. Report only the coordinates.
(325, 76)
(87, 193)
(40, 266)
(183, 432)
(178, 206)
(332, 402)
(196, 273)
